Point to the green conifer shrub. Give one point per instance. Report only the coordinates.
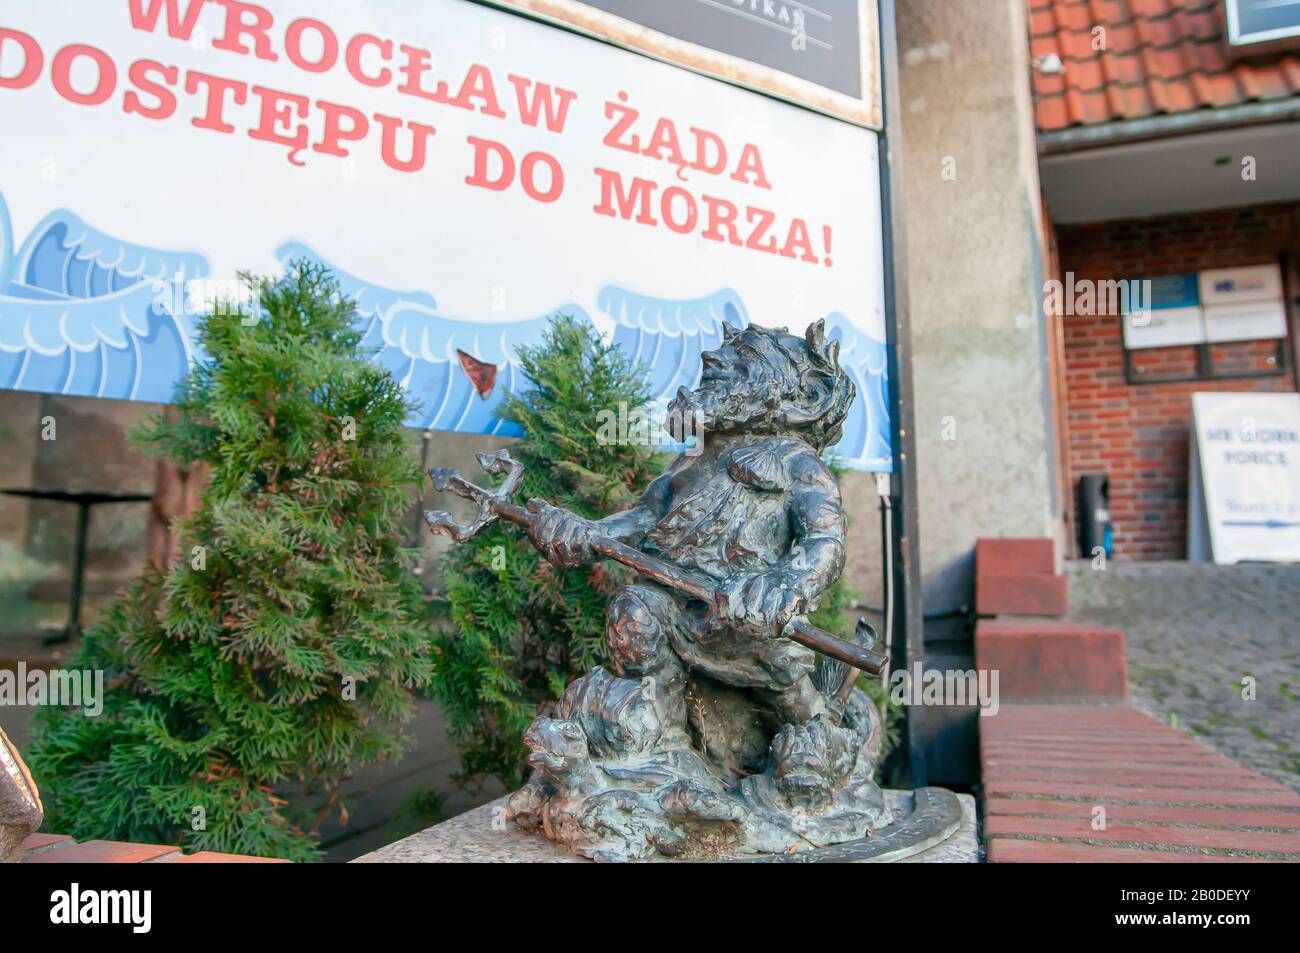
(837, 614)
(279, 652)
(521, 629)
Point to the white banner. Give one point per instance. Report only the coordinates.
(467, 172)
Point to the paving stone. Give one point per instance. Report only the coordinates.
(1193, 632)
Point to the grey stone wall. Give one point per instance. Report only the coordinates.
(89, 451)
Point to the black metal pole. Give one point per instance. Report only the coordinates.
(908, 639)
(78, 572)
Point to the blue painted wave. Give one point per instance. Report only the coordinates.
(84, 313)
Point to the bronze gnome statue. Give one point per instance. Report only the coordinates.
(715, 727)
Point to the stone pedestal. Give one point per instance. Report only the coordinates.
(931, 826)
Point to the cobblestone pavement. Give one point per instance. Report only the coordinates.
(1194, 634)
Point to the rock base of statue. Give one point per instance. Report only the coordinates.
(622, 772)
(930, 825)
(625, 770)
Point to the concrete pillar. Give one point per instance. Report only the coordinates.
(986, 458)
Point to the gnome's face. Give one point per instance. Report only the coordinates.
(734, 386)
(764, 380)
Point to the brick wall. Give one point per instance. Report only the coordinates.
(1139, 434)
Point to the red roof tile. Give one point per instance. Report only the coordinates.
(1156, 57)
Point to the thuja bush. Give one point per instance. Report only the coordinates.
(278, 653)
(522, 630)
(837, 614)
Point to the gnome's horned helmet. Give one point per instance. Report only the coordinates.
(766, 380)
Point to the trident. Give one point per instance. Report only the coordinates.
(496, 504)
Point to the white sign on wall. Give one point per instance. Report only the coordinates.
(1170, 314)
(466, 171)
(1243, 304)
(1244, 491)
(1163, 327)
(1246, 321)
(1217, 305)
(1235, 285)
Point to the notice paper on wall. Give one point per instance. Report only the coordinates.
(1244, 482)
(1243, 304)
(1167, 313)
(1213, 306)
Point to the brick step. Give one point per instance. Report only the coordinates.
(1053, 662)
(1026, 715)
(1040, 739)
(1015, 555)
(1122, 733)
(1151, 813)
(1158, 793)
(1002, 851)
(101, 852)
(1227, 780)
(61, 849)
(1078, 750)
(1083, 751)
(1020, 593)
(1018, 577)
(1165, 835)
(1042, 791)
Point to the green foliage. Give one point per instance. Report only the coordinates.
(523, 630)
(418, 811)
(836, 614)
(278, 654)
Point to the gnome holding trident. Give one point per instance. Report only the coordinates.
(715, 720)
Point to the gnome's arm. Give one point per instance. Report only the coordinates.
(631, 526)
(816, 557)
(763, 602)
(564, 538)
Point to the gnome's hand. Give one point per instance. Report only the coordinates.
(562, 537)
(759, 604)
